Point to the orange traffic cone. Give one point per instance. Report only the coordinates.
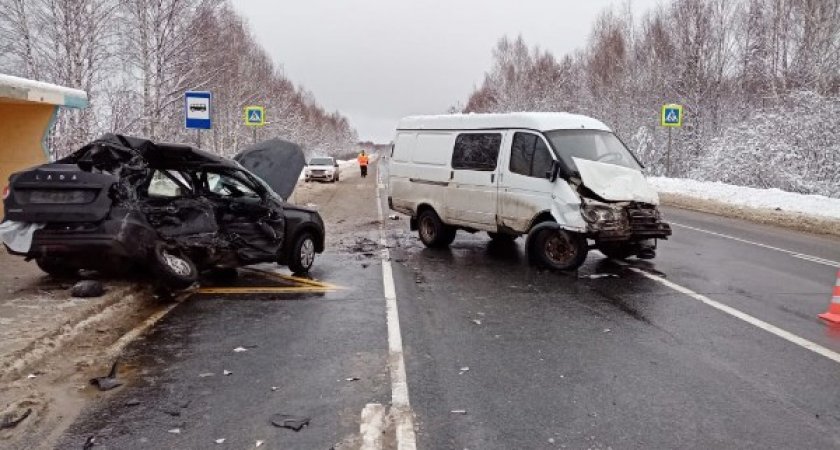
(833, 313)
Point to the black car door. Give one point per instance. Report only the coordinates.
(248, 219)
(170, 204)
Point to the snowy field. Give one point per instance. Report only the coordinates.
(740, 196)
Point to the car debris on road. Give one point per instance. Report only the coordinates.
(295, 423)
(109, 381)
(9, 421)
(87, 289)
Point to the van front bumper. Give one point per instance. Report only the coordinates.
(634, 223)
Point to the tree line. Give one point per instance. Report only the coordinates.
(135, 59)
(759, 81)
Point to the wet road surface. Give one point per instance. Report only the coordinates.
(602, 358)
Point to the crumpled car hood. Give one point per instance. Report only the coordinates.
(616, 183)
(277, 162)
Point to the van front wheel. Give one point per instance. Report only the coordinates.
(557, 249)
(433, 232)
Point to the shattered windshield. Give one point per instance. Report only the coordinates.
(593, 145)
(321, 162)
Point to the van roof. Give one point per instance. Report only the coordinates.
(542, 121)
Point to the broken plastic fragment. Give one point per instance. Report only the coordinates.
(175, 431)
(259, 443)
(220, 441)
(291, 422)
(89, 443)
(394, 217)
(109, 381)
(205, 374)
(596, 276)
(476, 321)
(9, 421)
(352, 379)
(87, 288)
(226, 372)
(31, 376)
(606, 330)
(273, 388)
(240, 349)
(459, 411)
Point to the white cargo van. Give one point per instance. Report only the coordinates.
(565, 180)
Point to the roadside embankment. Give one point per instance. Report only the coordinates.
(809, 213)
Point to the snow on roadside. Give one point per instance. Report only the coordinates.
(773, 199)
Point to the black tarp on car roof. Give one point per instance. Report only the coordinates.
(116, 148)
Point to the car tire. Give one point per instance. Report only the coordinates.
(553, 248)
(432, 231)
(302, 253)
(502, 237)
(173, 268)
(56, 267)
(617, 250)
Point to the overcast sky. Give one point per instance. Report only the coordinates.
(379, 60)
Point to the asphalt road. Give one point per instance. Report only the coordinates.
(604, 358)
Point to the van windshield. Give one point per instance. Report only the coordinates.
(321, 162)
(594, 145)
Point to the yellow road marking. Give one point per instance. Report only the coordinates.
(306, 281)
(302, 285)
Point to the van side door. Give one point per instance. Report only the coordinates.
(525, 189)
(472, 193)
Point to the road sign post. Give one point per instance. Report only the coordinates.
(254, 117)
(198, 112)
(671, 117)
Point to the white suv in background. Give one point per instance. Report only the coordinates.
(321, 168)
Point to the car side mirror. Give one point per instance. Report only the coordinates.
(553, 172)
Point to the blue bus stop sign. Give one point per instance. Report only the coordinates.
(197, 109)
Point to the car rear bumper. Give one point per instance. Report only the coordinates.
(92, 244)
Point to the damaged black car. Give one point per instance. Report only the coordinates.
(125, 202)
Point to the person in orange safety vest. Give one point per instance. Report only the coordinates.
(363, 163)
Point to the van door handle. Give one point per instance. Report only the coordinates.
(492, 177)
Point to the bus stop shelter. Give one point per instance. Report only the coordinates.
(28, 110)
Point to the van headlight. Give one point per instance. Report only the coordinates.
(600, 213)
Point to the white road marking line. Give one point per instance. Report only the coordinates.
(371, 426)
(786, 335)
(802, 256)
(400, 406)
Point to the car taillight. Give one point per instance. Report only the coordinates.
(6, 192)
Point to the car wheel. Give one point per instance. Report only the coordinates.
(557, 249)
(433, 232)
(302, 254)
(174, 268)
(56, 267)
(502, 237)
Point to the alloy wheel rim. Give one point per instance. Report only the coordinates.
(307, 253)
(178, 265)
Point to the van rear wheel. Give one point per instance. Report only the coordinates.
(433, 232)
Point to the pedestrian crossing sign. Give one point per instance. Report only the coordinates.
(672, 115)
(254, 116)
